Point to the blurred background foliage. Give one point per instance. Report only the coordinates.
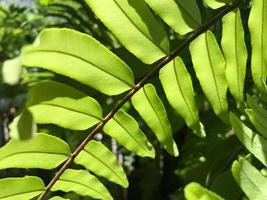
(206, 161)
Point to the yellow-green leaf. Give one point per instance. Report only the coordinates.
(148, 104)
(98, 159)
(81, 57)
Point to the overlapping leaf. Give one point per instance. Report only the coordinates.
(152, 110)
(215, 4)
(34, 153)
(98, 159)
(235, 53)
(182, 16)
(209, 65)
(257, 115)
(135, 26)
(56, 103)
(21, 188)
(123, 128)
(258, 31)
(82, 183)
(179, 90)
(255, 144)
(80, 57)
(251, 181)
(194, 191)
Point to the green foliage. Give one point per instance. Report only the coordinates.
(71, 105)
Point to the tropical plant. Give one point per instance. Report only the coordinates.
(138, 26)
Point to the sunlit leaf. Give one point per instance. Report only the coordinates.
(98, 159)
(56, 103)
(254, 143)
(194, 191)
(182, 16)
(82, 183)
(235, 53)
(20, 188)
(23, 126)
(11, 71)
(152, 110)
(257, 115)
(178, 87)
(81, 57)
(124, 128)
(134, 26)
(251, 181)
(209, 65)
(57, 198)
(215, 4)
(42, 151)
(258, 31)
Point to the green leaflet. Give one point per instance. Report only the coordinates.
(81, 57)
(194, 191)
(257, 115)
(235, 53)
(258, 31)
(215, 4)
(57, 198)
(178, 87)
(82, 183)
(209, 65)
(149, 106)
(60, 104)
(124, 128)
(251, 181)
(135, 27)
(98, 159)
(182, 16)
(34, 153)
(11, 71)
(21, 188)
(254, 143)
(23, 126)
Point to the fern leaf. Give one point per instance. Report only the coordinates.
(235, 52)
(21, 188)
(84, 59)
(149, 106)
(134, 26)
(258, 31)
(60, 104)
(34, 153)
(182, 16)
(123, 128)
(98, 159)
(178, 87)
(254, 143)
(82, 183)
(251, 181)
(209, 65)
(194, 191)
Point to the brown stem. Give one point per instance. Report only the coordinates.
(139, 85)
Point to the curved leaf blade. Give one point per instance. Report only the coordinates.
(257, 24)
(82, 183)
(254, 143)
(141, 33)
(124, 128)
(177, 84)
(21, 188)
(34, 153)
(79, 57)
(182, 16)
(209, 66)
(98, 159)
(57, 198)
(148, 104)
(215, 4)
(194, 191)
(235, 52)
(251, 181)
(60, 104)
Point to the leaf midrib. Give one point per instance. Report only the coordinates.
(82, 59)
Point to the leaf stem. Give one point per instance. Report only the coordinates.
(163, 61)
